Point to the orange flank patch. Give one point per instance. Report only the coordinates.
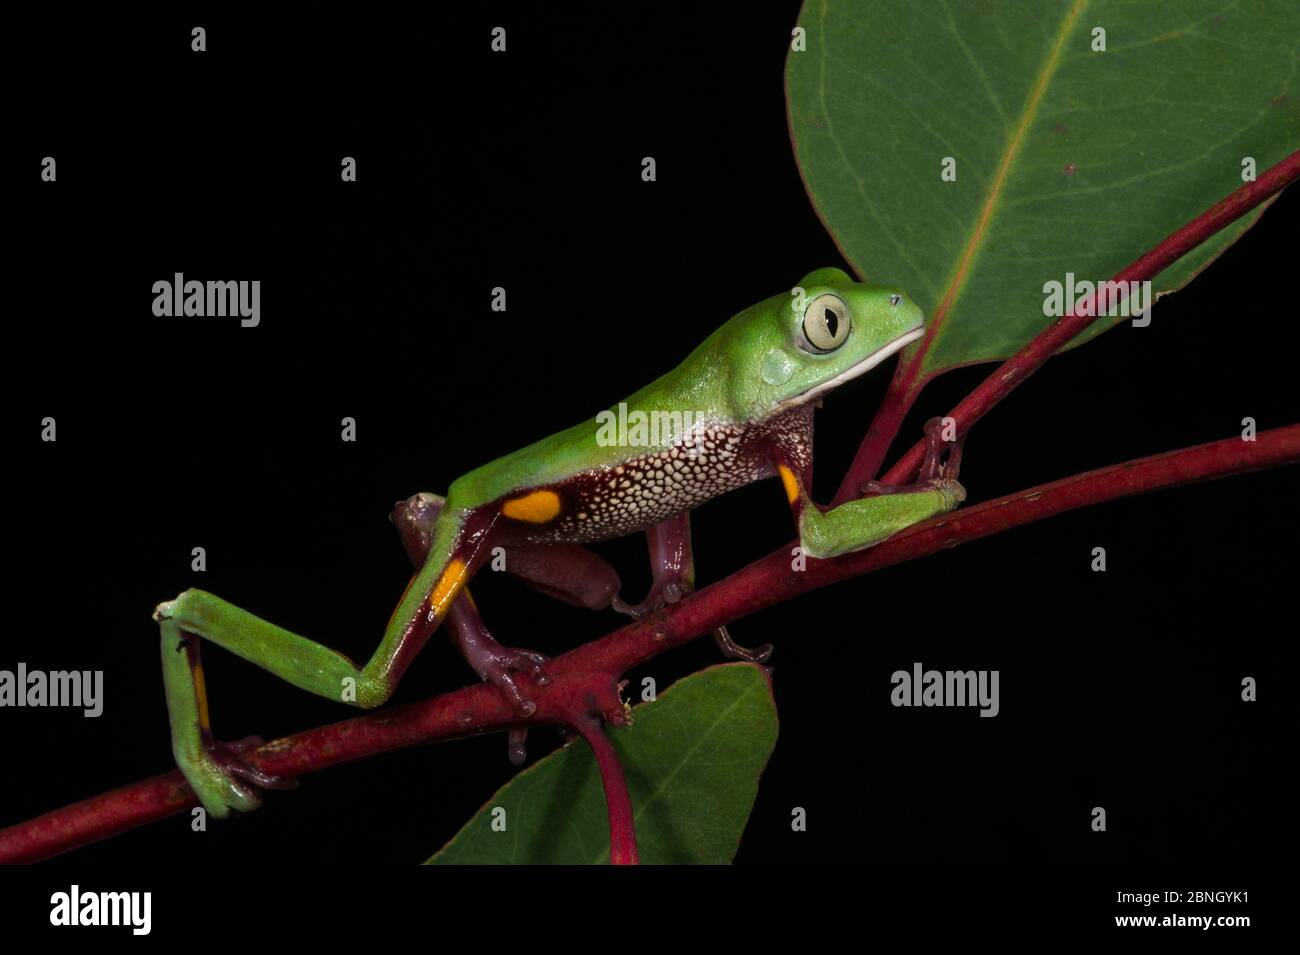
(448, 585)
(791, 485)
(535, 508)
(201, 693)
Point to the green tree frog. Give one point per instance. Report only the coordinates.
(738, 409)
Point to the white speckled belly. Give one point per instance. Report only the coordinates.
(611, 502)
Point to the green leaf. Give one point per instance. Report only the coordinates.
(692, 760)
(1067, 160)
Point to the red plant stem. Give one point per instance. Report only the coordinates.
(906, 384)
(585, 680)
(622, 821)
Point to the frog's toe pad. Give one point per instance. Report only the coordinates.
(515, 746)
(952, 491)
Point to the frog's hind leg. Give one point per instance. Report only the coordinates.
(584, 579)
(569, 573)
(217, 774)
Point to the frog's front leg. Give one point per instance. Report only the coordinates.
(672, 563)
(858, 524)
(218, 777)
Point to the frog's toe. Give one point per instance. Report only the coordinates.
(500, 667)
(515, 743)
(734, 651)
(939, 469)
(227, 755)
(942, 457)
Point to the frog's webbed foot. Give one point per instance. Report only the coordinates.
(498, 665)
(503, 664)
(734, 651)
(230, 757)
(940, 468)
(224, 781)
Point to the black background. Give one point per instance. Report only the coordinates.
(477, 170)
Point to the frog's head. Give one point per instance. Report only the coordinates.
(827, 330)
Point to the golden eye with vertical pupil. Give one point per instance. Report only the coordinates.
(826, 323)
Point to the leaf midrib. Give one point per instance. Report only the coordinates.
(1014, 146)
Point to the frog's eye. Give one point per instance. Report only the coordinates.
(826, 324)
(894, 300)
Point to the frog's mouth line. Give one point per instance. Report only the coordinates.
(853, 371)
